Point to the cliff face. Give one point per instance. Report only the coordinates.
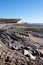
(16, 48)
(20, 22)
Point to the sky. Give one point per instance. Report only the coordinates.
(31, 11)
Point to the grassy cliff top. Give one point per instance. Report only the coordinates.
(8, 20)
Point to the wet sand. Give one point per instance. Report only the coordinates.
(36, 39)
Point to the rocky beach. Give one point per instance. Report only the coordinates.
(19, 48)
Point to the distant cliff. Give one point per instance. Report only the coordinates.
(2, 20)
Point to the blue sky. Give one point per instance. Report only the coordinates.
(31, 11)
